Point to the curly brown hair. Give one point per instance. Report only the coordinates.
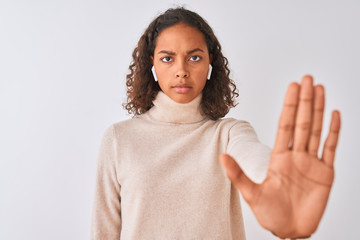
(218, 93)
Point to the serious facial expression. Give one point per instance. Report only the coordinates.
(181, 60)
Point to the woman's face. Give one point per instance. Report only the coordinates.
(181, 61)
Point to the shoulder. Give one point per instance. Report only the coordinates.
(119, 127)
(124, 124)
(231, 123)
(237, 128)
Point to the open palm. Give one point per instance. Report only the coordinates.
(291, 200)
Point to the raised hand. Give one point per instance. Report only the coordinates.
(291, 200)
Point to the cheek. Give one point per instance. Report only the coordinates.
(162, 73)
(164, 85)
(161, 85)
(203, 84)
(202, 73)
(205, 69)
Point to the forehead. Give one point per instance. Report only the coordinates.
(180, 36)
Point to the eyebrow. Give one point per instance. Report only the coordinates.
(195, 50)
(189, 52)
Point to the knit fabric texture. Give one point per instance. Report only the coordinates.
(159, 175)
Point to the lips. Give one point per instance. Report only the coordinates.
(182, 88)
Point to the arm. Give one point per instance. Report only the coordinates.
(246, 149)
(106, 216)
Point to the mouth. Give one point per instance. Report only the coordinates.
(181, 88)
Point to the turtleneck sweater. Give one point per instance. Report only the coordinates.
(159, 175)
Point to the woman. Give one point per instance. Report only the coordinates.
(159, 174)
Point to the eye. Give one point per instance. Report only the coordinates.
(195, 58)
(166, 59)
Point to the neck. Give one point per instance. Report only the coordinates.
(168, 111)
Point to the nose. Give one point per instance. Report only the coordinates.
(181, 71)
(182, 74)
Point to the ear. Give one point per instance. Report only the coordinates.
(152, 60)
(211, 58)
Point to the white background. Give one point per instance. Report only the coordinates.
(62, 83)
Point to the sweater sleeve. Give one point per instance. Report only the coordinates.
(252, 156)
(106, 215)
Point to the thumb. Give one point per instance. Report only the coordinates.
(238, 177)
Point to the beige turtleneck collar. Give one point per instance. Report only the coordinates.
(168, 111)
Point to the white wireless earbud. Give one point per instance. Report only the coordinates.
(209, 72)
(154, 73)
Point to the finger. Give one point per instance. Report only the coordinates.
(332, 139)
(303, 115)
(238, 178)
(317, 120)
(287, 119)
